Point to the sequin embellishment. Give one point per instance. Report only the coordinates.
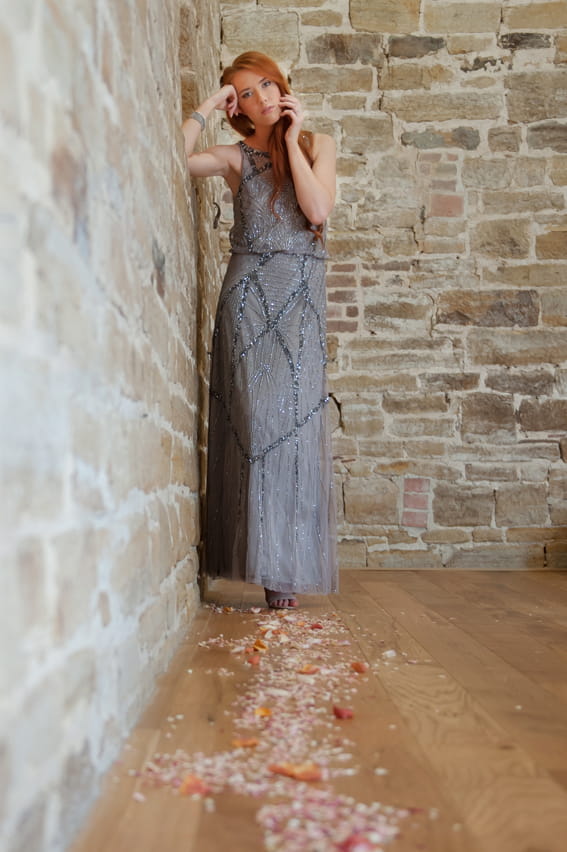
(270, 506)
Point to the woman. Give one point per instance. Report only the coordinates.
(270, 508)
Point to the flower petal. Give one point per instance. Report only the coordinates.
(298, 771)
(192, 785)
(343, 712)
(245, 742)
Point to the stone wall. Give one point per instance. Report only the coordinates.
(100, 391)
(447, 297)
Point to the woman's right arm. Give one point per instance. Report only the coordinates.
(213, 161)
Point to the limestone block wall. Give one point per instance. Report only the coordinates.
(447, 301)
(99, 382)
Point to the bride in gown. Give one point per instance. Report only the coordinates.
(270, 515)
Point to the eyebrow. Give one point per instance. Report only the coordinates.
(248, 88)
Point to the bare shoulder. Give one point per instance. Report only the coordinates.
(228, 154)
(323, 146)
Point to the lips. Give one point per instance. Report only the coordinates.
(267, 109)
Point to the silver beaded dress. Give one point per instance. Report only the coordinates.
(270, 515)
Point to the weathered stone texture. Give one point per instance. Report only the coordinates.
(371, 501)
(535, 16)
(274, 32)
(363, 134)
(488, 417)
(461, 17)
(491, 308)
(462, 506)
(414, 47)
(509, 557)
(552, 245)
(543, 415)
(520, 505)
(535, 96)
(501, 238)
(388, 16)
(100, 376)
(345, 49)
(434, 106)
(467, 138)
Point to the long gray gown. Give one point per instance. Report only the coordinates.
(270, 515)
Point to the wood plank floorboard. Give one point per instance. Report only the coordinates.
(461, 717)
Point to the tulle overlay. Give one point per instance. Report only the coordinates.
(270, 501)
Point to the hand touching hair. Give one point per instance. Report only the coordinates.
(277, 148)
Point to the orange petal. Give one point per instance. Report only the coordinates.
(192, 784)
(254, 660)
(308, 669)
(228, 609)
(357, 843)
(262, 711)
(243, 742)
(259, 645)
(298, 771)
(343, 712)
(359, 667)
(316, 626)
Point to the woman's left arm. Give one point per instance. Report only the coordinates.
(314, 184)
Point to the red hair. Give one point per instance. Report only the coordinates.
(262, 64)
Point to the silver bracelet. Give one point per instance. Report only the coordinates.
(198, 117)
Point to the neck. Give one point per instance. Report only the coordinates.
(260, 138)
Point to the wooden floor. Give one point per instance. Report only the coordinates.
(459, 727)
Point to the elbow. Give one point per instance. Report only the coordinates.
(320, 214)
(321, 210)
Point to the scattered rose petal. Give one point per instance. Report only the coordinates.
(343, 712)
(262, 711)
(259, 645)
(359, 666)
(192, 785)
(228, 609)
(139, 797)
(245, 742)
(298, 771)
(389, 654)
(254, 660)
(357, 843)
(308, 669)
(317, 626)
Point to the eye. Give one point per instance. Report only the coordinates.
(244, 95)
(266, 83)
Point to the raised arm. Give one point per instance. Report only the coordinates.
(315, 184)
(214, 161)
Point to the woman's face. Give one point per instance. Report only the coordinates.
(258, 97)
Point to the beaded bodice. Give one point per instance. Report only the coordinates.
(257, 229)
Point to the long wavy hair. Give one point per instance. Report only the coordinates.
(262, 64)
